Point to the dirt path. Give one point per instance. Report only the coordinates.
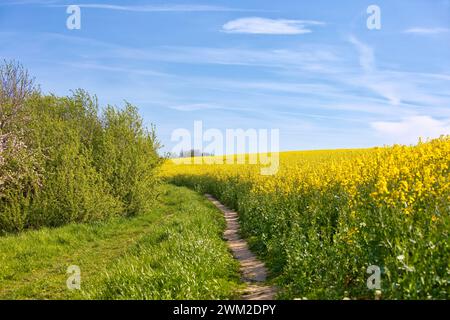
(254, 273)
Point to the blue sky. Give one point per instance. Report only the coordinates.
(311, 69)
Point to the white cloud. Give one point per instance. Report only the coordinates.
(408, 130)
(258, 25)
(426, 31)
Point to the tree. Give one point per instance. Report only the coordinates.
(19, 172)
(16, 86)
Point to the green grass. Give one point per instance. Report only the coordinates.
(173, 252)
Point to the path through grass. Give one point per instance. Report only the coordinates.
(173, 252)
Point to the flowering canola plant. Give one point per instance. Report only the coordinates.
(328, 215)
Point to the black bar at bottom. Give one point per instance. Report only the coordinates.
(226, 309)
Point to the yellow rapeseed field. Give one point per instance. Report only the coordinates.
(326, 216)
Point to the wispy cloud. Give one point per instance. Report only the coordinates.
(299, 64)
(302, 57)
(408, 130)
(159, 8)
(195, 107)
(426, 31)
(133, 8)
(397, 87)
(28, 2)
(306, 57)
(366, 56)
(372, 78)
(104, 67)
(257, 25)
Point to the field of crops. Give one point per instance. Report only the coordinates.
(326, 216)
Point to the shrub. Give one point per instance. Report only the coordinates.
(127, 158)
(62, 160)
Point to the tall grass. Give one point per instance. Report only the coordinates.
(173, 251)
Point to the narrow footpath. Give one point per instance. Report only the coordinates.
(254, 272)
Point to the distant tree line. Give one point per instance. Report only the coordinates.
(190, 153)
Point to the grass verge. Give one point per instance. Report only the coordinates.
(175, 251)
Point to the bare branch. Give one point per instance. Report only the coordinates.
(15, 87)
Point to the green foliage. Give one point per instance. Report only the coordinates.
(173, 251)
(184, 258)
(67, 161)
(19, 182)
(318, 248)
(127, 158)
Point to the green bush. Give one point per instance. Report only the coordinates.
(66, 161)
(127, 158)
